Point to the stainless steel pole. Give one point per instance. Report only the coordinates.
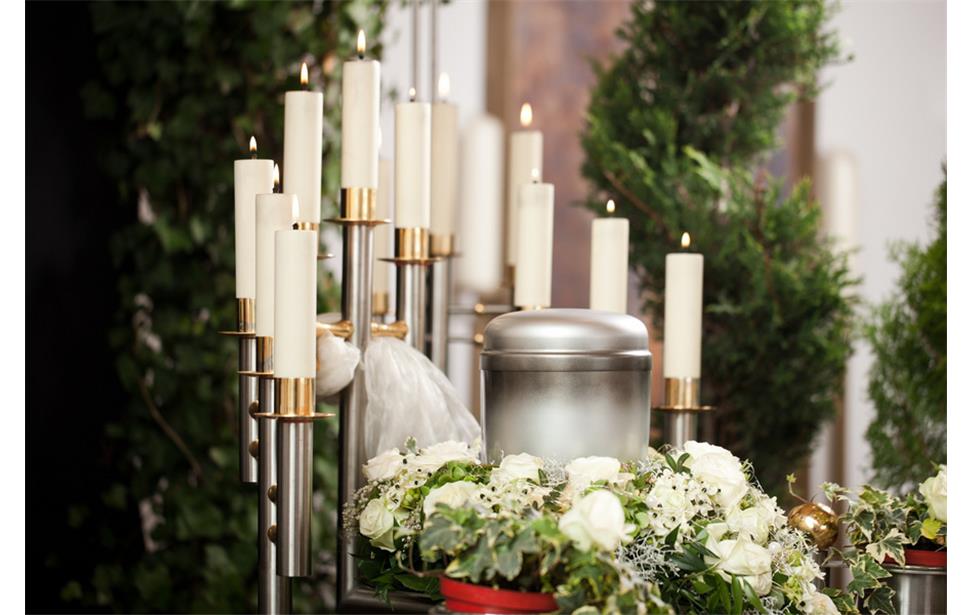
(248, 395)
(440, 272)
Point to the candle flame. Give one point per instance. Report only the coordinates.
(295, 210)
(535, 175)
(253, 145)
(276, 176)
(610, 206)
(304, 79)
(685, 240)
(412, 94)
(361, 43)
(526, 115)
(443, 85)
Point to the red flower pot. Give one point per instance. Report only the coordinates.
(920, 557)
(468, 598)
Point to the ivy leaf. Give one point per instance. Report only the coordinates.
(930, 528)
(891, 545)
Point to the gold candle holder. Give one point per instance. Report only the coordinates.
(682, 412)
(245, 320)
(442, 245)
(380, 304)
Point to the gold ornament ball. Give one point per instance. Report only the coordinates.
(817, 521)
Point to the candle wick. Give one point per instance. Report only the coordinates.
(361, 55)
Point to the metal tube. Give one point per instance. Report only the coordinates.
(410, 302)
(439, 312)
(356, 307)
(679, 426)
(248, 424)
(273, 591)
(295, 446)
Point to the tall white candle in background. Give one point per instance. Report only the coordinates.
(250, 178)
(480, 267)
(359, 120)
(303, 124)
(383, 232)
(526, 154)
(445, 154)
(413, 138)
(274, 212)
(609, 263)
(295, 290)
(684, 313)
(532, 287)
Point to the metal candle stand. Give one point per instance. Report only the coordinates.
(441, 273)
(411, 260)
(683, 417)
(247, 362)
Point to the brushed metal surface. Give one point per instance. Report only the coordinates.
(294, 464)
(247, 395)
(918, 589)
(565, 330)
(439, 274)
(410, 302)
(273, 592)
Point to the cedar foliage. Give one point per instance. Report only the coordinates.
(907, 381)
(183, 86)
(679, 130)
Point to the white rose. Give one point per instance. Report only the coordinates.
(597, 518)
(453, 495)
(821, 604)
(436, 456)
(719, 470)
(523, 465)
(586, 470)
(755, 522)
(384, 466)
(376, 519)
(745, 559)
(934, 490)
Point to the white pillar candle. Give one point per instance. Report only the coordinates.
(609, 263)
(412, 159)
(445, 154)
(684, 313)
(250, 178)
(359, 120)
(532, 286)
(526, 154)
(303, 125)
(383, 232)
(295, 291)
(479, 268)
(274, 212)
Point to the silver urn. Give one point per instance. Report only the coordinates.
(566, 383)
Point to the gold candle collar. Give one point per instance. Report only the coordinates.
(412, 243)
(358, 204)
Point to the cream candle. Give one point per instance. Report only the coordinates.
(295, 292)
(444, 162)
(609, 263)
(526, 154)
(250, 178)
(532, 288)
(303, 126)
(360, 88)
(481, 206)
(412, 159)
(684, 313)
(274, 212)
(383, 232)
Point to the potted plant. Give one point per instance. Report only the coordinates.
(897, 546)
(680, 531)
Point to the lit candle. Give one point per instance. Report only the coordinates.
(359, 120)
(532, 286)
(383, 232)
(481, 206)
(412, 159)
(445, 154)
(250, 178)
(274, 212)
(295, 291)
(303, 125)
(526, 154)
(684, 313)
(609, 263)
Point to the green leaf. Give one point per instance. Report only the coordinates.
(930, 528)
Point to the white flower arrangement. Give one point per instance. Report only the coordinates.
(676, 532)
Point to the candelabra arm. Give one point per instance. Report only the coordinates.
(343, 329)
(397, 329)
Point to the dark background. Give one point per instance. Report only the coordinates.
(72, 389)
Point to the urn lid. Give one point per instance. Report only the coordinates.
(565, 340)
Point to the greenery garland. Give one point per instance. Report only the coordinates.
(907, 382)
(679, 127)
(183, 86)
